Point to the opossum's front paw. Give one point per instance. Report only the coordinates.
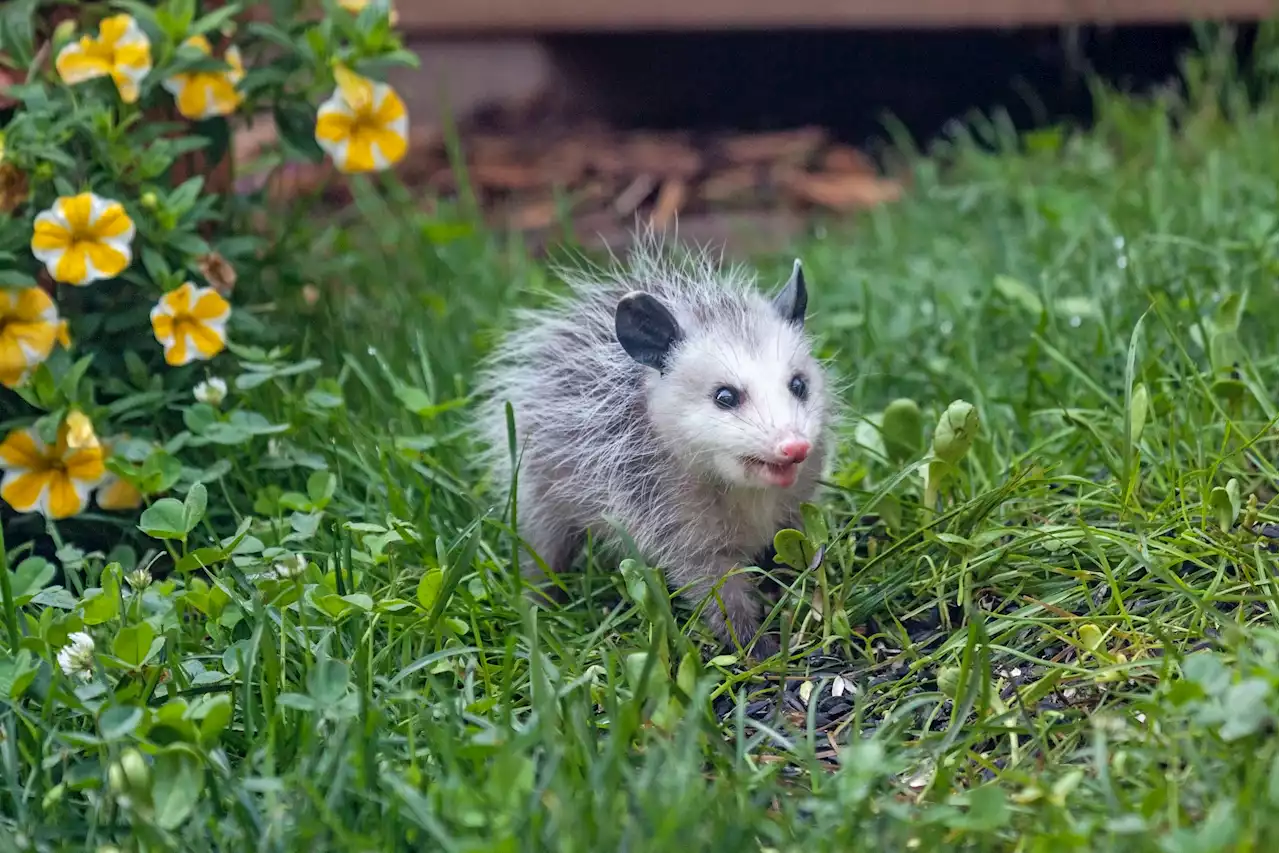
(737, 616)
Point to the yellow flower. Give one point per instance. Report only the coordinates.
(54, 481)
(355, 7)
(121, 51)
(364, 126)
(29, 327)
(204, 94)
(191, 322)
(83, 238)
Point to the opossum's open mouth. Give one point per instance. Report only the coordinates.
(782, 474)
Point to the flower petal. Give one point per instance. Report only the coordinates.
(85, 465)
(178, 300)
(209, 306)
(176, 351)
(76, 211)
(207, 341)
(73, 266)
(109, 220)
(76, 64)
(193, 100)
(67, 497)
(25, 490)
(107, 260)
(21, 449)
(389, 105)
(162, 327)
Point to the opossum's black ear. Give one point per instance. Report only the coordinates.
(646, 329)
(792, 301)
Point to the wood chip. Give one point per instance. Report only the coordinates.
(670, 198)
(664, 156)
(737, 183)
(506, 176)
(839, 191)
(634, 195)
(533, 216)
(845, 158)
(792, 146)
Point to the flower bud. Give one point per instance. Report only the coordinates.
(956, 430)
(63, 33)
(901, 426)
(949, 681)
(149, 200)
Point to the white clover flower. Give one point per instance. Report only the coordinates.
(212, 391)
(290, 567)
(76, 657)
(139, 579)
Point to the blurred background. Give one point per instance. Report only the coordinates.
(737, 117)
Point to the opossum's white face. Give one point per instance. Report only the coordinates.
(738, 398)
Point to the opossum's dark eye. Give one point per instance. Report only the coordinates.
(727, 398)
(799, 388)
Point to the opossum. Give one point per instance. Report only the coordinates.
(669, 396)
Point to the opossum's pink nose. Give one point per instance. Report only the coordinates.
(796, 450)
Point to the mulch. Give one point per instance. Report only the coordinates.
(533, 171)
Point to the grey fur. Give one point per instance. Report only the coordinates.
(591, 449)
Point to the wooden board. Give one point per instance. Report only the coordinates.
(429, 17)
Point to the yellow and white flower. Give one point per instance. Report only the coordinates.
(121, 51)
(205, 94)
(84, 238)
(355, 7)
(54, 481)
(191, 323)
(29, 327)
(364, 126)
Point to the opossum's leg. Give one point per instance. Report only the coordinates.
(548, 533)
(731, 610)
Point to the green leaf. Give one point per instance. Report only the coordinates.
(119, 721)
(429, 588)
(815, 524)
(179, 782)
(1138, 406)
(320, 488)
(1018, 293)
(633, 581)
(988, 809)
(297, 125)
(164, 519)
(201, 558)
(29, 578)
(792, 549)
(194, 507)
(214, 715)
(101, 605)
(1225, 504)
(1250, 708)
(17, 672)
(133, 644)
(327, 681)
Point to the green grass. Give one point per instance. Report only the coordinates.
(1043, 280)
